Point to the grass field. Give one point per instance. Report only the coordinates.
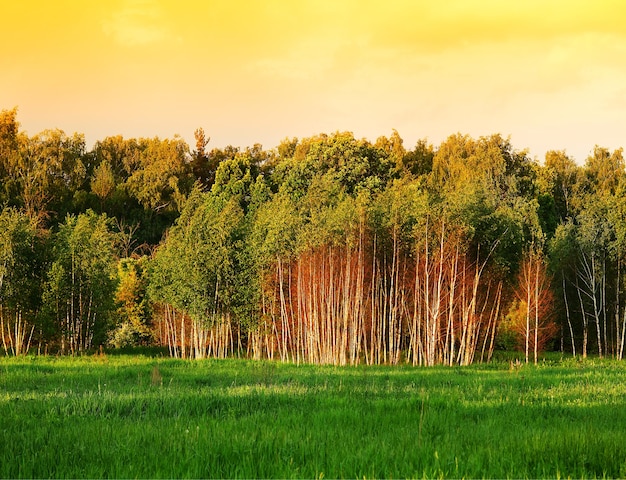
(127, 417)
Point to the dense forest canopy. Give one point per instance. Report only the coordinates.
(328, 249)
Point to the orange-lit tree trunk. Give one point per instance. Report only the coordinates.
(531, 315)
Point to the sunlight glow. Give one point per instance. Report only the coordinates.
(550, 74)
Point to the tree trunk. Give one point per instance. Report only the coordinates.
(569, 321)
(584, 318)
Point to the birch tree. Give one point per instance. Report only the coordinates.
(563, 255)
(198, 270)
(80, 283)
(532, 312)
(19, 283)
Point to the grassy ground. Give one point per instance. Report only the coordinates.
(130, 416)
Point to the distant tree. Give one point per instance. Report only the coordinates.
(560, 173)
(491, 161)
(103, 181)
(9, 154)
(287, 148)
(123, 155)
(393, 149)
(205, 164)
(200, 167)
(419, 161)
(141, 182)
(234, 178)
(9, 129)
(51, 172)
(163, 177)
(604, 170)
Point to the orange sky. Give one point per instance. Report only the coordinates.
(552, 74)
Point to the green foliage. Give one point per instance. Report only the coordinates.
(563, 248)
(81, 280)
(19, 283)
(103, 181)
(9, 148)
(489, 161)
(162, 178)
(355, 164)
(234, 178)
(594, 231)
(560, 173)
(604, 170)
(276, 229)
(419, 161)
(195, 269)
(488, 188)
(548, 214)
(141, 182)
(218, 245)
(20, 280)
(616, 217)
(401, 212)
(45, 170)
(133, 327)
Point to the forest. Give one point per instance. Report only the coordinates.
(325, 250)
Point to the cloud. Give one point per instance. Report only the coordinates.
(138, 23)
(433, 27)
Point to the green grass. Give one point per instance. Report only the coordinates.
(127, 417)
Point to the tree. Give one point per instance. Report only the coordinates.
(593, 235)
(531, 313)
(19, 283)
(9, 152)
(195, 269)
(81, 280)
(354, 163)
(204, 165)
(392, 149)
(604, 170)
(163, 177)
(419, 161)
(141, 182)
(201, 166)
(616, 216)
(134, 322)
(50, 172)
(103, 181)
(560, 173)
(489, 161)
(563, 256)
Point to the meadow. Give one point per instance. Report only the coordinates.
(149, 417)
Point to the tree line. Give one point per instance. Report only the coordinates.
(328, 249)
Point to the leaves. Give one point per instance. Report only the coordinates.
(227, 226)
(81, 280)
(18, 261)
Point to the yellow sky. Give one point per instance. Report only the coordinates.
(552, 74)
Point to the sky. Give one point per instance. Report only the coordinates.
(551, 74)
